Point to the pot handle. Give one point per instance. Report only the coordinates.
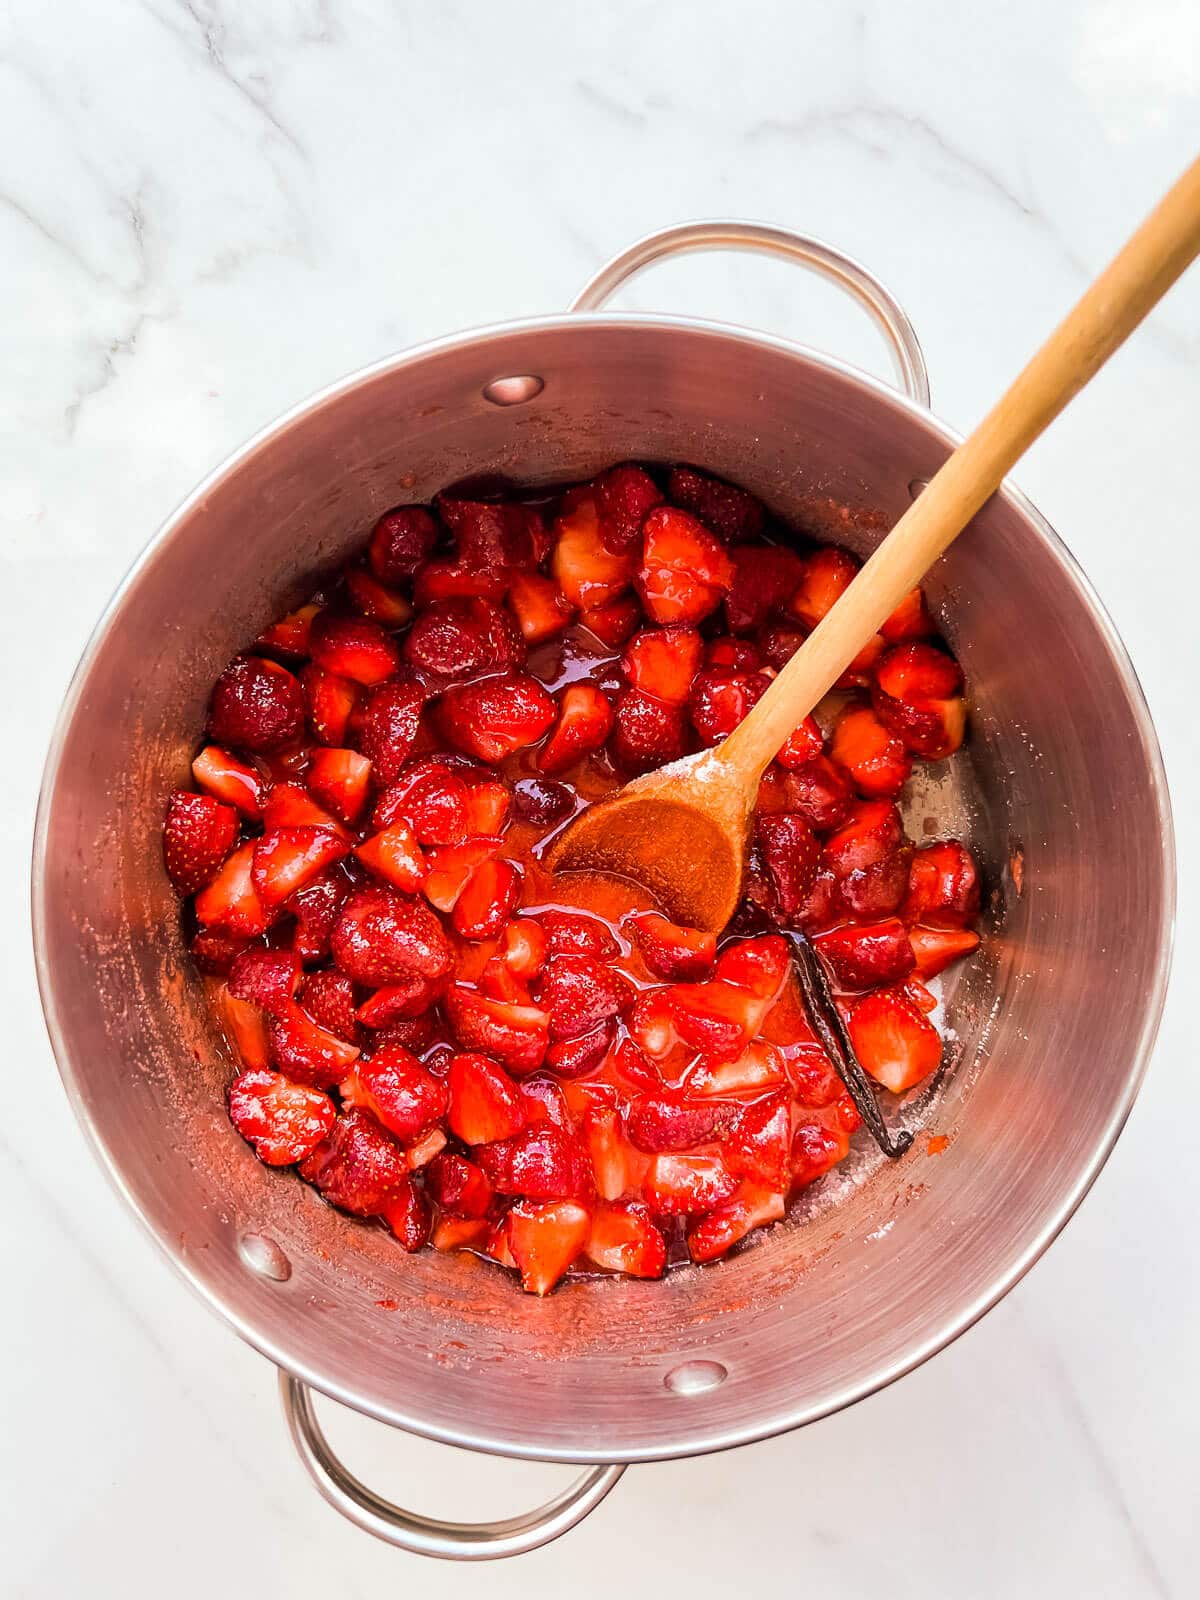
(427, 1536)
(765, 239)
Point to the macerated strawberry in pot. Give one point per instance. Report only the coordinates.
(549, 1072)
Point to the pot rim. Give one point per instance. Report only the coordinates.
(1053, 1223)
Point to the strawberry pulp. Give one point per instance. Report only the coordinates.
(440, 1035)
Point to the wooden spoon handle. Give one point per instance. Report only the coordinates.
(1102, 320)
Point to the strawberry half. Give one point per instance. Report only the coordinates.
(382, 937)
(578, 992)
(943, 886)
(290, 806)
(398, 1002)
(540, 610)
(574, 933)
(329, 701)
(730, 512)
(359, 1166)
(353, 647)
(613, 623)
(764, 579)
(685, 570)
(623, 1238)
(431, 798)
(545, 1238)
(226, 778)
(198, 835)
(672, 952)
(541, 1162)
(385, 726)
(660, 1122)
(616, 1166)
(285, 859)
(663, 662)
(266, 978)
(395, 856)
(495, 717)
(289, 636)
(487, 901)
(257, 705)
(307, 1052)
(485, 1104)
(871, 753)
(400, 541)
(865, 956)
(820, 793)
(801, 746)
(231, 901)
(517, 1034)
(339, 779)
(624, 496)
(893, 1041)
(284, 1121)
(461, 637)
(585, 719)
(328, 997)
(720, 697)
(394, 1086)
(587, 573)
(790, 854)
(647, 732)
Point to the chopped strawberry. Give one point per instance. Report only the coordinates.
(720, 698)
(289, 636)
(431, 799)
(823, 904)
(385, 726)
(539, 608)
(542, 803)
(541, 1162)
(760, 966)
(328, 997)
(231, 901)
(877, 891)
(820, 793)
(214, 951)
(761, 1066)
(751, 1206)
(828, 573)
(779, 642)
(257, 705)
(578, 992)
(198, 835)
(451, 867)
(743, 655)
(329, 701)
(316, 908)
(574, 933)
(460, 1233)
(663, 662)
(764, 579)
(394, 855)
(616, 1166)
(717, 1018)
(685, 571)
(918, 694)
(647, 732)
(487, 807)
(910, 620)
(545, 1238)
(453, 580)
(935, 948)
(815, 1148)
(285, 859)
(307, 1052)
(582, 1053)
(400, 541)
(374, 600)
(624, 1239)
(545, 1102)
(228, 779)
(485, 1103)
(801, 746)
(266, 978)
(490, 536)
(585, 719)
(651, 1024)
(394, 1086)
(624, 496)
(863, 957)
(487, 901)
(873, 756)
(731, 512)
(661, 1122)
(412, 1033)
(353, 647)
(290, 806)
(246, 1027)
(791, 855)
(943, 886)
(458, 1186)
(670, 951)
(588, 574)
(893, 1041)
(462, 637)
(406, 1212)
(339, 779)
(496, 717)
(872, 831)
(924, 999)
(517, 1034)
(682, 1185)
(523, 948)
(284, 1121)
(613, 623)
(382, 937)
(359, 1166)
(397, 1002)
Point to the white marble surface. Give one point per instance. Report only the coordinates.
(208, 209)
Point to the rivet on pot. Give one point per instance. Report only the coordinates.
(263, 1256)
(696, 1377)
(513, 391)
(915, 487)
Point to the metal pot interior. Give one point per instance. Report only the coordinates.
(883, 1261)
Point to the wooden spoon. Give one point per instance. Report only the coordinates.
(682, 832)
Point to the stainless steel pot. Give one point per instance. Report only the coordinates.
(1062, 791)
